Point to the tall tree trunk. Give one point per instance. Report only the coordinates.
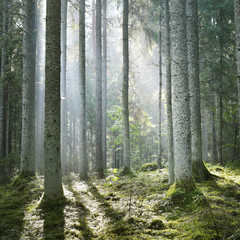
(237, 29)
(40, 88)
(199, 170)
(82, 118)
(3, 80)
(99, 163)
(63, 84)
(181, 98)
(52, 136)
(125, 111)
(171, 176)
(104, 106)
(220, 104)
(160, 93)
(28, 92)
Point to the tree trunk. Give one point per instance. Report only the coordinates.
(63, 83)
(125, 110)
(3, 81)
(99, 163)
(40, 88)
(204, 135)
(199, 170)
(220, 118)
(82, 118)
(181, 99)
(160, 93)
(104, 106)
(28, 92)
(52, 136)
(237, 29)
(169, 95)
(213, 139)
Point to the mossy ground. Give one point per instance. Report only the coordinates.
(139, 207)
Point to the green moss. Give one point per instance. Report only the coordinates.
(149, 167)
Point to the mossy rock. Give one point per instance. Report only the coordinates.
(149, 167)
(156, 224)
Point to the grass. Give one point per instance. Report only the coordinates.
(142, 206)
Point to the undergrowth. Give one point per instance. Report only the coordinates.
(137, 206)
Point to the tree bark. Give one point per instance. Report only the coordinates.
(3, 80)
(181, 99)
(160, 93)
(237, 29)
(99, 162)
(199, 170)
(171, 176)
(104, 106)
(82, 118)
(63, 84)
(52, 136)
(28, 92)
(125, 110)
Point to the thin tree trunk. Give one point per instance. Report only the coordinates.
(82, 74)
(63, 83)
(160, 94)
(237, 29)
(125, 110)
(99, 162)
(213, 139)
(220, 124)
(104, 106)
(52, 136)
(169, 95)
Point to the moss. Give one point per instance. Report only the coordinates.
(156, 224)
(149, 167)
(127, 172)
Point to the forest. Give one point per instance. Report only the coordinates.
(119, 119)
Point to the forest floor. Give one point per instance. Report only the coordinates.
(130, 207)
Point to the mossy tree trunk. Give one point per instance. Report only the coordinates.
(28, 92)
(53, 175)
(181, 98)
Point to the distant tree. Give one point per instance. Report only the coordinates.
(99, 158)
(181, 98)
(169, 93)
(104, 93)
(237, 29)
(125, 109)
(83, 165)
(160, 92)
(52, 143)
(28, 92)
